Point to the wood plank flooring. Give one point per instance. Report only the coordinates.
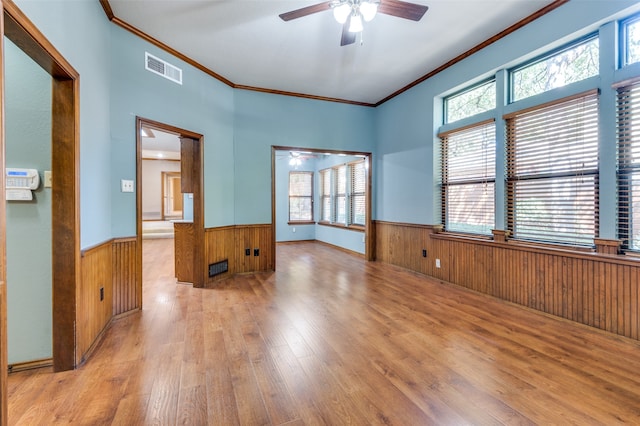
(332, 339)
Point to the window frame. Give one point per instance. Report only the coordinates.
(311, 197)
(446, 99)
(623, 41)
(545, 56)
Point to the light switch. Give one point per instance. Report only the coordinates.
(126, 185)
(47, 178)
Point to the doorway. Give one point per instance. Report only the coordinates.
(65, 211)
(170, 188)
(294, 156)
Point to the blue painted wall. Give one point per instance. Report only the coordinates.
(407, 148)
(284, 231)
(201, 104)
(264, 120)
(81, 33)
(28, 145)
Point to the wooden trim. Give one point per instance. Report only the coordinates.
(24, 34)
(459, 58)
(604, 246)
(628, 82)
(477, 48)
(125, 25)
(302, 95)
(551, 103)
(500, 236)
(463, 128)
(4, 405)
(198, 194)
(222, 228)
(369, 228)
(432, 228)
(273, 205)
(302, 222)
(107, 9)
(355, 228)
(159, 159)
(30, 365)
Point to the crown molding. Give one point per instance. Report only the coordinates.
(117, 21)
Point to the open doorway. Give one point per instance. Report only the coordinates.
(170, 192)
(162, 197)
(322, 195)
(65, 209)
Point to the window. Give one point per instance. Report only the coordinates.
(574, 63)
(325, 195)
(340, 195)
(358, 193)
(343, 194)
(629, 166)
(631, 40)
(300, 196)
(468, 178)
(552, 171)
(470, 102)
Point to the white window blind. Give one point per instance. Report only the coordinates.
(325, 195)
(300, 196)
(340, 195)
(468, 178)
(552, 171)
(629, 166)
(358, 191)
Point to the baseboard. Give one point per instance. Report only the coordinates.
(346, 250)
(30, 365)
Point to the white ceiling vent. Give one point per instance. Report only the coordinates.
(163, 68)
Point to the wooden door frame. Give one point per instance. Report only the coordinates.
(369, 230)
(65, 206)
(199, 266)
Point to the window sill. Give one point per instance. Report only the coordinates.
(356, 228)
(520, 244)
(301, 222)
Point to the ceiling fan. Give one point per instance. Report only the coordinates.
(351, 13)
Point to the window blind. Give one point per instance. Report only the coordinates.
(358, 199)
(468, 178)
(628, 117)
(340, 194)
(325, 195)
(300, 196)
(552, 171)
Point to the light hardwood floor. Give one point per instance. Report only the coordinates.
(332, 339)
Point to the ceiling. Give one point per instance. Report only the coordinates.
(247, 44)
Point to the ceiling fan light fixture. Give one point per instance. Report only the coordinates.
(368, 10)
(341, 12)
(355, 26)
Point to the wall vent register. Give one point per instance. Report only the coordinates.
(162, 68)
(218, 268)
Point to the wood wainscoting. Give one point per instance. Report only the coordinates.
(230, 242)
(95, 295)
(127, 293)
(600, 289)
(108, 288)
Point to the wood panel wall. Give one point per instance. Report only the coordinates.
(93, 314)
(230, 242)
(601, 290)
(127, 292)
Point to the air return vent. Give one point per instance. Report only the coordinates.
(160, 67)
